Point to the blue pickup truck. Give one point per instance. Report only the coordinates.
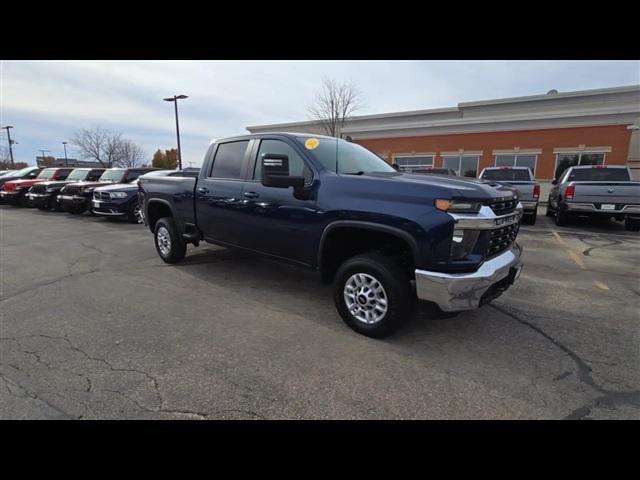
(384, 238)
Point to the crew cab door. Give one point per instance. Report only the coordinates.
(275, 221)
(219, 193)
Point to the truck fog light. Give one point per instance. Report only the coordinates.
(462, 243)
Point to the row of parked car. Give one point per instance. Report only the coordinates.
(110, 192)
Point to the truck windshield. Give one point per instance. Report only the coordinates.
(507, 174)
(77, 175)
(599, 174)
(344, 157)
(47, 173)
(112, 176)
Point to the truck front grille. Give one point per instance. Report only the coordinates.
(102, 195)
(502, 207)
(38, 188)
(71, 190)
(502, 238)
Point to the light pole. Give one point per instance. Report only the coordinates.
(10, 143)
(175, 99)
(43, 155)
(65, 154)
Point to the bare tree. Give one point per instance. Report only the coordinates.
(129, 154)
(107, 147)
(334, 104)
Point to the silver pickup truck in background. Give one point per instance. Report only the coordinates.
(522, 179)
(596, 191)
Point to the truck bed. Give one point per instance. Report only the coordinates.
(177, 191)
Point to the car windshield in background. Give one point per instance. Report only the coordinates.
(344, 157)
(599, 174)
(78, 175)
(22, 172)
(47, 173)
(112, 176)
(507, 174)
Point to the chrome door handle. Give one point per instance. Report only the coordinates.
(251, 194)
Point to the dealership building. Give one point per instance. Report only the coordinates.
(546, 133)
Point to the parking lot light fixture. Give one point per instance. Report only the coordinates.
(175, 99)
(66, 164)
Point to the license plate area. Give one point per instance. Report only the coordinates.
(607, 206)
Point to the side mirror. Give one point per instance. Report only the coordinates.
(396, 167)
(275, 172)
(554, 181)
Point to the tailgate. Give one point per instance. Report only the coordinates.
(607, 192)
(525, 189)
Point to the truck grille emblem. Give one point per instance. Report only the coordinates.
(610, 190)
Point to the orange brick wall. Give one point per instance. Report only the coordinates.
(615, 136)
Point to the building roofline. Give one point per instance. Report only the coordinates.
(499, 101)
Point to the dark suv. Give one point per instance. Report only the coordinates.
(44, 195)
(76, 197)
(120, 200)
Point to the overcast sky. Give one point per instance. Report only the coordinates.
(47, 101)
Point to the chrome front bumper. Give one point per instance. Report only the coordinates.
(454, 292)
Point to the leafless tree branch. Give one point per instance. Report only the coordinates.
(334, 104)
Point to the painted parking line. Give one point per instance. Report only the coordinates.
(600, 285)
(572, 255)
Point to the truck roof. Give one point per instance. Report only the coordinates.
(249, 136)
(506, 167)
(582, 167)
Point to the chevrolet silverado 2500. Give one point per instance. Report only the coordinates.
(596, 191)
(383, 237)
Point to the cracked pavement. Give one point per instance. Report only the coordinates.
(93, 325)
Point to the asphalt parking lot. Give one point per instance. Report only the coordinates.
(95, 325)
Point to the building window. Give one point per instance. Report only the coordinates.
(413, 162)
(572, 159)
(464, 165)
(518, 160)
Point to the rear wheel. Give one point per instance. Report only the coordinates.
(372, 294)
(632, 224)
(169, 243)
(562, 218)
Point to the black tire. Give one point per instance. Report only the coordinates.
(176, 248)
(22, 200)
(632, 224)
(133, 213)
(44, 207)
(561, 218)
(396, 288)
(530, 219)
(549, 212)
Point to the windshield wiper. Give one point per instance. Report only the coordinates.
(355, 173)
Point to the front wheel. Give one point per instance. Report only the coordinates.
(169, 243)
(372, 294)
(134, 214)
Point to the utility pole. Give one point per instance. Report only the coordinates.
(43, 157)
(66, 164)
(10, 143)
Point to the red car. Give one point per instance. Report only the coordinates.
(14, 192)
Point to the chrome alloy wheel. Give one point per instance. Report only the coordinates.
(164, 241)
(137, 213)
(365, 297)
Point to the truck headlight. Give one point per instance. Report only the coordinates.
(462, 243)
(118, 195)
(457, 206)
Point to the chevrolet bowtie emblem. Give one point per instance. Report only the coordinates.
(610, 190)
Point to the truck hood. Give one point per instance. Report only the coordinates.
(461, 187)
(120, 187)
(22, 183)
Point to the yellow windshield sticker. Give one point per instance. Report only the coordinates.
(311, 143)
